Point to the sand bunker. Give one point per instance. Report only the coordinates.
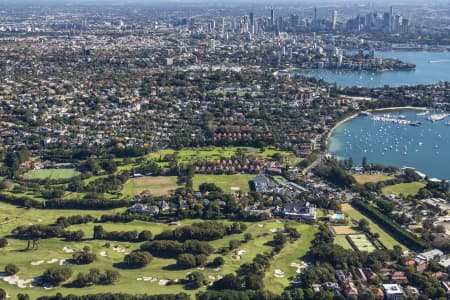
(68, 249)
(163, 282)
(118, 249)
(260, 225)
(300, 266)
(37, 263)
(278, 273)
(52, 261)
(240, 252)
(20, 283)
(104, 254)
(273, 230)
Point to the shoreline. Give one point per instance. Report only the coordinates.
(338, 124)
(400, 108)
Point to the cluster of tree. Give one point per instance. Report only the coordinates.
(112, 296)
(149, 167)
(165, 248)
(426, 283)
(238, 295)
(74, 220)
(95, 276)
(3, 242)
(393, 228)
(88, 203)
(209, 187)
(95, 167)
(56, 275)
(21, 201)
(435, 189)
(35, 232)
(113, 182)
(279, 241)
(118, 218)
(249, 276)
(331, 171)
(197, 279)
(137, 259)
(121, 236)
(11, 269)
(12, 161)
(84, 257)
(204, 231)
(188, 260)
(127, 152)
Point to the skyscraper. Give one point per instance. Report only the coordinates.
(252, 19)
(272, 17)
(333, 19)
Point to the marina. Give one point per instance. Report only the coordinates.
(384, 139)
(396, 120)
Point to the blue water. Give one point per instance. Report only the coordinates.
(425, 148)
(425, 72)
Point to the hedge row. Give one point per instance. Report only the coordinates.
(387, 224)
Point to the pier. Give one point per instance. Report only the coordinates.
(394, 120)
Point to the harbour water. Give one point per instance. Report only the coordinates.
(424, 146)
(431, 67)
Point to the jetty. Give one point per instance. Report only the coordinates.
(437, 117)
(394, 120)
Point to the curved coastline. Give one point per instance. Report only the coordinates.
(337, 125)
(399, 108)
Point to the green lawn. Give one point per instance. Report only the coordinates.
(371, 178)
(155, 185)
(341, 240)
(405, 189)
(387, 240)
(227, 183)
(52, 174)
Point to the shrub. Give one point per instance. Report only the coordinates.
(11, 269)
(138, 259)
(56, 275)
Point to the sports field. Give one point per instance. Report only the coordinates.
(361, 242)
(280, 179)
(343, 230)
(405, 189)
(371, 178)
(228, 183)
(154, 185)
